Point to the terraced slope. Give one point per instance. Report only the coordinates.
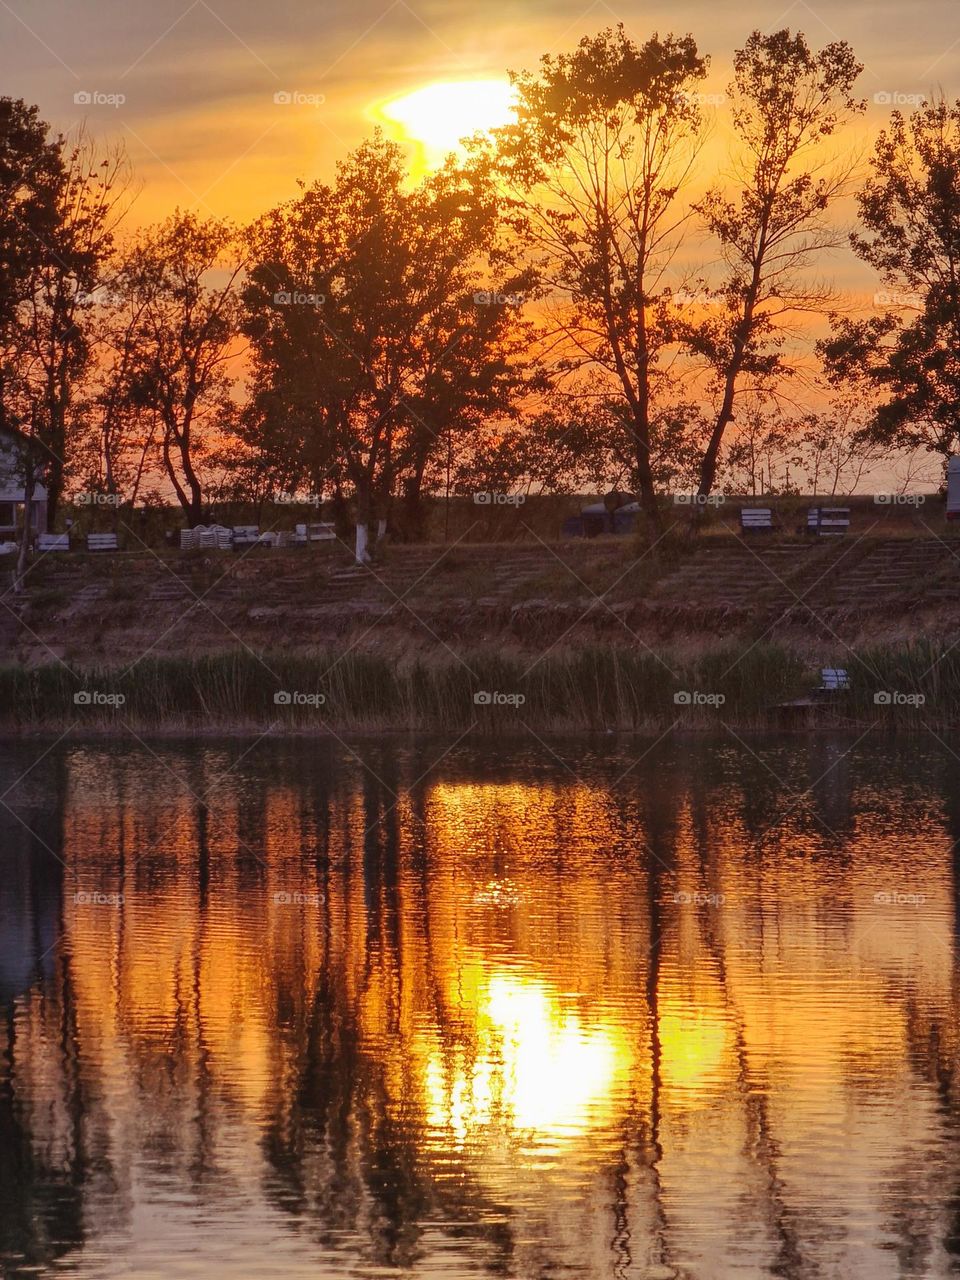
(115, 607)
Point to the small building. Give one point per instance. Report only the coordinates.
(12, 445)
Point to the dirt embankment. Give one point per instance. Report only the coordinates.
(114, 609)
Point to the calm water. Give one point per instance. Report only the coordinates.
(279, 1010)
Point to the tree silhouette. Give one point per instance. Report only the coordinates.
(787, 101)
(370, 311)
(910, 234)
(604, 141)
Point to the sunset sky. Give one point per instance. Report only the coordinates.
(198, 80)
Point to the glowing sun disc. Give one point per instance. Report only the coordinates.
(438, 116)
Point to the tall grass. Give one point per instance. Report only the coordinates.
(911, 683)
(592, 688)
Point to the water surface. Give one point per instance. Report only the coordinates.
(438, 1009)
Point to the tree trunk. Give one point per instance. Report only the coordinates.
(364, 512)
(708, 469)
(341, 512)
(55, 477)
(20, 573)
(361, 554)
(711, 457)
(412, 502)
(648, 492)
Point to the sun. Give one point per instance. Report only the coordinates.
(435, 118)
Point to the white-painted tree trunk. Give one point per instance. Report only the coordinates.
(362, 554)
(381, 530)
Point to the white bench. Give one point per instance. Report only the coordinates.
(756, 520)
(833, 680)
(828, 521)
(246, 535)
(53, 542)
(102, 542)
(304, 533)
(323, 532)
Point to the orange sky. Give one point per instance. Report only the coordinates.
(189, 86)
(198, 79)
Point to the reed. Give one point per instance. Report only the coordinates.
(593, 688)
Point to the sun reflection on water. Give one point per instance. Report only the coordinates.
(534, 1065)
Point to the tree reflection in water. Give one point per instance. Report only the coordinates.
(502, 1014)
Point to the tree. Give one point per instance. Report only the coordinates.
(382, 319)
(570, 443)
(176, 302)
(604, 140)
(57, 313)
(758, 461)
(123, 435)
(909, 356)
(31, 179)
(47, 291)
(787, 101)
(836, 449)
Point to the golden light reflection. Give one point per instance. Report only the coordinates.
(476, 1001)
(695, 1044)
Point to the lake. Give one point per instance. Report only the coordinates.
(440, 1008)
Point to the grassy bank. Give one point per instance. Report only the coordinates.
(595, 688)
